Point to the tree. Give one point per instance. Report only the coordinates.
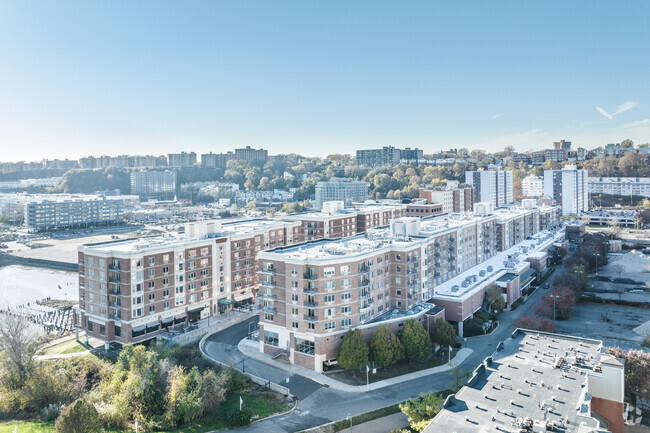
(535, 323)
(443, 333)
(458, 376)
(495, 298)
(415, 339)
(385, 347)
(627, 143)
(353, 352)
(421, 411)
(557, 304)
(79, 417)
(17, 340)
(637, 374)
(618, 268)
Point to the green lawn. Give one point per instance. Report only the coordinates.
(398, 369)
(26, 427)
(259, 405)
(66, 347)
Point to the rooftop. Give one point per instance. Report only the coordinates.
(531, 378)
(510, 260)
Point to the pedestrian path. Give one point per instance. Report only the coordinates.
(251, 349)
(385, 424)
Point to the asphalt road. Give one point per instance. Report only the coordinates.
(318, 405)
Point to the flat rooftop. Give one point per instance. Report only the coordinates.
(534, 377)
(249, 226)
(495, 267)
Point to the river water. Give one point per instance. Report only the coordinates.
(20, 285)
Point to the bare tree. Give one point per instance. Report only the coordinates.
(618, 268)
(17, 340)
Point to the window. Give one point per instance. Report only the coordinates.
(165, 269)
(329, 284)
(346, 322)
(152, 296)
(102, 330)
(166, 258)
(294, 325)
(166, 293)
(152, 308)
(329, 298)
(268, 317)
(398, 268)
(179, 290)
(294, 311)
(137, 312)
(311, 325)
(328, 272)
(330, 325)
(271, 338)
(166, 305)
(346, 309)
(152, 261)
(399, 293)
(152, 284)
(345, 269)
(294, 297)
(345, 283)
(118, 331)
(303, 346)
(346, 296)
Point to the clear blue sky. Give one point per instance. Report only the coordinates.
(152, 77)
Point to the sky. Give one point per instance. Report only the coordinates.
(318, 77)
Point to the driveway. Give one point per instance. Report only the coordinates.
(318, 405)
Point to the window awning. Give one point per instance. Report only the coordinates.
(195, 310)
(153, 324)
(241, 297)
(138, 328)
(226, 302)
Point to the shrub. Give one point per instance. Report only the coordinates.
(237, 418)
(50, 412)
(80, 417)
(443, 333)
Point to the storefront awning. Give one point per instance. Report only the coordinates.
(153, 324)
(226, 302)
(196, 310)
(138, 328)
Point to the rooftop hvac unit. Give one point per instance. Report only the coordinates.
(481, 273)
(489, 268)
(474, 278)
(454, 288)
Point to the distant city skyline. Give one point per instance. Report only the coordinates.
(89, 78)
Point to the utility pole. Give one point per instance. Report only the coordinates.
(554, 298)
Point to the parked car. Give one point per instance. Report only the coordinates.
(545, 286)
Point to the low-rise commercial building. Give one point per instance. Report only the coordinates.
(538, 382)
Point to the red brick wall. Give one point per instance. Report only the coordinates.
(610, 410)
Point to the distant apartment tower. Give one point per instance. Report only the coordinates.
(532, 186)
(558, 155)
(387, 156)
(153, 183)
(562, 145)
(249, 154)
(339, 189)
(491, 186)
(568, 188)
(216, 160)
(182, 159)
(453, 198)
(409, 155)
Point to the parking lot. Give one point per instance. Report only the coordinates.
(589, 320)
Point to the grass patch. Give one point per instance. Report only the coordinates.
(398, 369)
(365, 417)
(263, 404)
(26, 426)
(62, 348)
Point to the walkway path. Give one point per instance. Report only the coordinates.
(385, 424)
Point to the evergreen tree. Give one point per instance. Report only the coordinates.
(495, 298)
(415, 339)
(443, 333)
(353, 353)
(385, 347)
(79, 417)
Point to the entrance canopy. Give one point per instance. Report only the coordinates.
(226, 302)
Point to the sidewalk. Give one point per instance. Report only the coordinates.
(251, 349)
(385, 424)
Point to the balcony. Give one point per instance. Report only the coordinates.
(364, 283)
(114, 304)
(268, 271)
(268, 310)
(310, 276)
(117, 316)
(364, 270)
(114, 279)
(264, 296)
(311, 304)
(310, 290)
(311, 318)
(114, 292)
(114, 267)
(412, 260)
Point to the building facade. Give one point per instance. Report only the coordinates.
(452, 197)
(568, 188)
(340, 189)
(532, 186)
(216, 160)
(154, 183)
(491, 186)
(620, 186)
(249, 154)
(182, 159)
(387, 156)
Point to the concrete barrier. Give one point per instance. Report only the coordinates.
(255, 379)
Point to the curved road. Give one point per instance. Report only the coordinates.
(318, 405)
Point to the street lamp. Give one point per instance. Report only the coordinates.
(597, 255)
(554, 298)
(350, 419)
